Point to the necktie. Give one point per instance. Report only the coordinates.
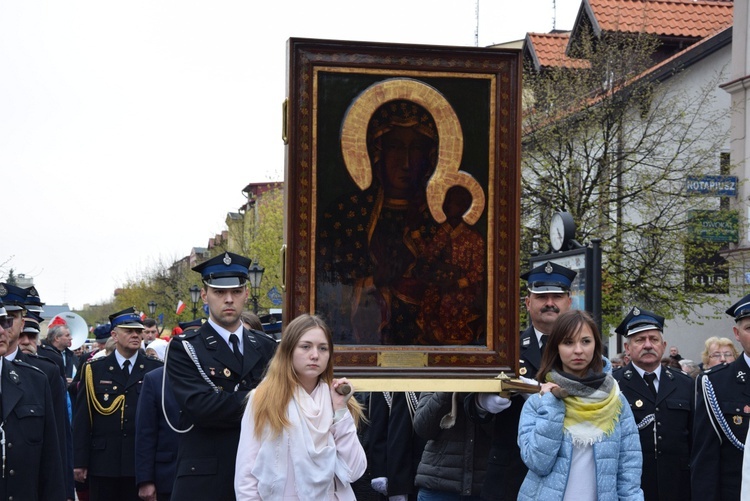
(126, 368)
(649, 378)
(544, 343)
(236, 347)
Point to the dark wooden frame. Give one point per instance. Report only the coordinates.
(457, 69)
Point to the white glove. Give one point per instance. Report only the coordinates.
(528, 381)
(380, 485)
(492, 402)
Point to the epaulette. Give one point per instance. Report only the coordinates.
(715, 369)
(45, 359)
(263, 334)
(187, 335)
(20, 363)
(678, 372)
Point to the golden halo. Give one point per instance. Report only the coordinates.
(450, 145)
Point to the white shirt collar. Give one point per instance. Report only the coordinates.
(12, 356)
(641, 372)
(224, 333)
(121, 359)
(539, 335)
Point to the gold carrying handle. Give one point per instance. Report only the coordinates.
(282, 257)
(508, 386)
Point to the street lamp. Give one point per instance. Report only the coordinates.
(254, 276)
(195, 295)
(152, 308)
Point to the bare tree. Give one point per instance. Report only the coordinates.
(613, 142)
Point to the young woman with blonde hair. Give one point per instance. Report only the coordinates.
(299, 439)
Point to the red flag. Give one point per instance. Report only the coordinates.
(180, 307)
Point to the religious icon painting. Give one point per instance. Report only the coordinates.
(402, 214)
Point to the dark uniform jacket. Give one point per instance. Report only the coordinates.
(530, 354)
(505, 468)
(665, 442)
(33, 469)
(717, 464)
(105, 444)
(60, 407)
(156, 443)
(207, 453)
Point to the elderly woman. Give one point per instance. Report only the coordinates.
(718, 350)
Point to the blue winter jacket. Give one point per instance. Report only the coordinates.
(547, 451)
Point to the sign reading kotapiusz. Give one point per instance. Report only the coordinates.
(714, 225)
(716, 186)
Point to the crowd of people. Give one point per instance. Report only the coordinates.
(223, 411)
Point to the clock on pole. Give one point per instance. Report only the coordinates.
(562, 230)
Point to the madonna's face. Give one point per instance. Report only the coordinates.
(406, 156)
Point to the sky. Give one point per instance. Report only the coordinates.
(128, 129)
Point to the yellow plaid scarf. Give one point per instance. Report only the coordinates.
(590, 413)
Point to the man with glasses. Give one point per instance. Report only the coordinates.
(661, 399)
(31, 460)
(721, 418)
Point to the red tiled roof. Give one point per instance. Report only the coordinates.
(549, 50)
(680, 18)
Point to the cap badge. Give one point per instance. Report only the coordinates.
(639, 403)
(227, 260)
(33, 291)
(548, 269)
(636, 311)
(3, 290)
(737, 420)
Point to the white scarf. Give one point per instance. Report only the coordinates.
(309, 443)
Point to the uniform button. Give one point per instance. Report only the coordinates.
(12, 472)
(192, 468)
(659, 437)
(657, 409)
(658, 423)
(32, 411)
(10, 445)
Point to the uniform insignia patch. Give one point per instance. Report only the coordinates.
(526, 341)
(737, 420)
(227, 372)
(106, 397)
(522, 371)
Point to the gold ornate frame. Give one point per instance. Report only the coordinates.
(443, 80)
